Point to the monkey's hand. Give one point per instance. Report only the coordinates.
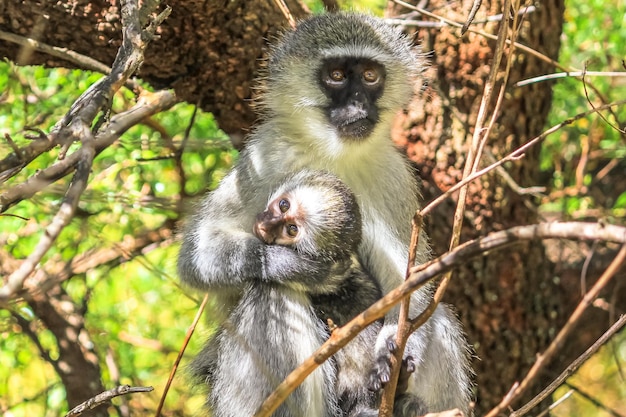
(381, 373)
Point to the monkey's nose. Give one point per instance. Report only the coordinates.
(262, 233)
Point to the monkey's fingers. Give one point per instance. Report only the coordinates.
(407, 368)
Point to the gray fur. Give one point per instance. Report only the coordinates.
(219, 251)
(276, 326)
(271, 331)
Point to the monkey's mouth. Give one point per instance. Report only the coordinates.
(353, 122)
(358, 129)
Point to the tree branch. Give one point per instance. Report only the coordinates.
(558, 341)
(75, 125)
(104, 397)
(617, 326)
(422, 274)
(82, 61)
(147, 105)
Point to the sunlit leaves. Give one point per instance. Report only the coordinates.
(136, 313)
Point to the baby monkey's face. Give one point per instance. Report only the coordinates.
(281, 221)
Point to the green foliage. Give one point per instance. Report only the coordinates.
(134, 189)
(367, 6)
(576, 156)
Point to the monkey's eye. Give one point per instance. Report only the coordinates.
(370, 76)
(337, 75)
(283, 205)
(292, 230)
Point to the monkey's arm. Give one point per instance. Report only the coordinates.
(219, 258)
(219, 249)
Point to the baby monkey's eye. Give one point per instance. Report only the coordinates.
(292, 230)
(283, 205)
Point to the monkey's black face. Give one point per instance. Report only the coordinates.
(353, 85)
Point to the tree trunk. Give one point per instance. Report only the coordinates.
(508, 301)
(77, 365)
(208, 52)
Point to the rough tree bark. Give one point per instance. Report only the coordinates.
(208, 51)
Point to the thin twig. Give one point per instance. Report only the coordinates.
(516, 154)
(593, 400)
(404, 327)
(558, 341)
(104, 397)
(178, 155)
(518, 45)
(190, 331)
(617, 128)
(556, 403)
(426, 24)
(286, 12)
(65, 54)
(557, 75)
(536, 191)
(573, 367)
(472, 14)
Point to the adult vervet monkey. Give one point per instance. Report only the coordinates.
(333, 87)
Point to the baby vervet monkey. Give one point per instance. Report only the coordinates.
(275, 327)
(333, 86)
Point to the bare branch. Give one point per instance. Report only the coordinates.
(557, 75)
(472, 14)
(190, 331)
(65, 54)
(53, 274)
(60, 220)
(485, 34)
(404, 327)
(617, 128)
(516, 154)
(147, 105)
(75, 125)
(286, 12)
(104, 397)
(556, 403)
(14, 162)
